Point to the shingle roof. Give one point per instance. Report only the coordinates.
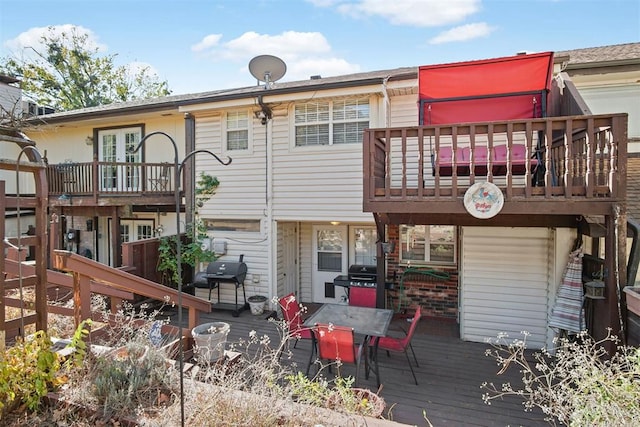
(174, 101)
(611, 53)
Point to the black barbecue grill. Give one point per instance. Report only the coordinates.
(361, 282)
(221, 272)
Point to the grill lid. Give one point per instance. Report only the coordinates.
(226, 270)
(363, 272)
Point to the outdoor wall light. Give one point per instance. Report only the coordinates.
(88, 140)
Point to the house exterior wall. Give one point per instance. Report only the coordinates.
(617, 99)
(316, 183)
(10, 100)
(274, 181)
(403, 110)
(241, 193)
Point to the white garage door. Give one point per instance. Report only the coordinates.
(504, 283)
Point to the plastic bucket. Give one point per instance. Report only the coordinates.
(210, 339)
(256, 303)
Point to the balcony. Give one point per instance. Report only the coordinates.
(108, 183)
(550, 170)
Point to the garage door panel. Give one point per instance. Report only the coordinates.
(525, 295)
(504, 283)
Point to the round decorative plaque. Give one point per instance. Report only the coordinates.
(483, 200)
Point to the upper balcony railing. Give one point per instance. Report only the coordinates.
(110, 178)
(578, 158)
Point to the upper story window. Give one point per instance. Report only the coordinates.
(428, 244)
(237, 128)
(331, 122)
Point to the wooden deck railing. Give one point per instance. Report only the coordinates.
(86, 272)
(563, 158)
(95, 178)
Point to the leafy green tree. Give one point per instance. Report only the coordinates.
(67, 72)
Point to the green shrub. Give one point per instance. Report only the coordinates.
(28, 370)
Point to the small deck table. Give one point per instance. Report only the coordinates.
(367, 321)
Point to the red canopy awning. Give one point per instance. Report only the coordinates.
(493, 89)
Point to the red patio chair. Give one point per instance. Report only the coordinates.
(337, 343)
(293, 317)
(400, 345)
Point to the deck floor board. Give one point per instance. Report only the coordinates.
(450, 375)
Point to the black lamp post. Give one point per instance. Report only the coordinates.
(177, 171)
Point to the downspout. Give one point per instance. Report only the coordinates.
(382, 263)
(268, 194)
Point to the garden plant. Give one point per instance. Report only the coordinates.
(576, 384)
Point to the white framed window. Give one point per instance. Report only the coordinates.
(331, 122)
(428, 244)
(237, 130)
(134, 230)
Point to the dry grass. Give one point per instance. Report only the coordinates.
(108, 390)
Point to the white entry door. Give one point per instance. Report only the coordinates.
(330, 252)
(113, 147)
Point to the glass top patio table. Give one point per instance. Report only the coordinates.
(370, 322)
(373, 322)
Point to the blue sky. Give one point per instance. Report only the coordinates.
(202, 45)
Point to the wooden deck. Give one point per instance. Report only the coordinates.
(450, 374)
(557, 166)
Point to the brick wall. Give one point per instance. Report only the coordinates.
(428, 287)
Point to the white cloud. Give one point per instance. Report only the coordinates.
(418, 13)
(325, 67)
(32, 38)
(463, 33)
(289, 44)
(207, 42)
(304, 53)
(323, 3)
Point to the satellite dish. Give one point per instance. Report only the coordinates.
(267, 69)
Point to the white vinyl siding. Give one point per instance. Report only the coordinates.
(314, 183)
(241, 194)
(505, 282)
(253, 247)
(404, 110)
